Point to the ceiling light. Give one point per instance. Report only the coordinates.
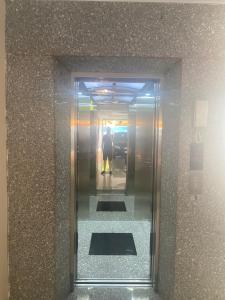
(146, 97)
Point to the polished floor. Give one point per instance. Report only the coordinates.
(116, 266)
(128, 214)
(116, 181)
(138, 208)
(113, 293)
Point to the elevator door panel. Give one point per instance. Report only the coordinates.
(84, 152)
(93, 148)
(144, 151)
(131, 151)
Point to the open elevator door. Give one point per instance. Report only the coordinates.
(114, 117)
(142, 155)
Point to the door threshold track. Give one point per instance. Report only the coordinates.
(106, 283)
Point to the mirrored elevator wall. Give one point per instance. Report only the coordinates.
(144, 155)
(112, 116)
(141, 120)
(95, 188)
(84, 148)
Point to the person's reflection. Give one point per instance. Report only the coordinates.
(107, 183)
(107, 149)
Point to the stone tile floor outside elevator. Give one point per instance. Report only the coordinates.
(113, 293)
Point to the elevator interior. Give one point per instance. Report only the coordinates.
(114, 212)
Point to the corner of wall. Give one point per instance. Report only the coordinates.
(3, 173)
(170, 95)
(62, 106)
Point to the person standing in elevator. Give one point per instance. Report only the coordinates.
(107, 149)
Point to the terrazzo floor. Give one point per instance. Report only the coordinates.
(113, 267)
(127, 215)
(137, 208)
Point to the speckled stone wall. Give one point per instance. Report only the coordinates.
(200, 220)
(31, 180)
(170, 98)
(3, 158)
(37, 31)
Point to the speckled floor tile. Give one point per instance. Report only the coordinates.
(100, 215)
(114, 267)
(137, 208)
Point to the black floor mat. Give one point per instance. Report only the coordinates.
(111, 206)
(112, 244)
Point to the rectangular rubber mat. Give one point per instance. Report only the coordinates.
(112, 244)
(111, 206)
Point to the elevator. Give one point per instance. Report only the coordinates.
(116, 194)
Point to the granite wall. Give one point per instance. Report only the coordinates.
(38, 117)
(3, 168)
(170, 99)
(200, 239)
(31, 181)
(37, 32)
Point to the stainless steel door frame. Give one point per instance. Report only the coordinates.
(157, 165)
(144, 149)
(84, 150)
(73, 187)
(155, 232)
(131, 151)
(93, 148)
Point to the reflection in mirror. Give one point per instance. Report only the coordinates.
(115, 146)
(111, 155)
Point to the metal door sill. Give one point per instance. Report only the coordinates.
(122, 283)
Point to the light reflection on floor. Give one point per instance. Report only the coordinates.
(114, 267)
(113, 293)
(116, 181)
